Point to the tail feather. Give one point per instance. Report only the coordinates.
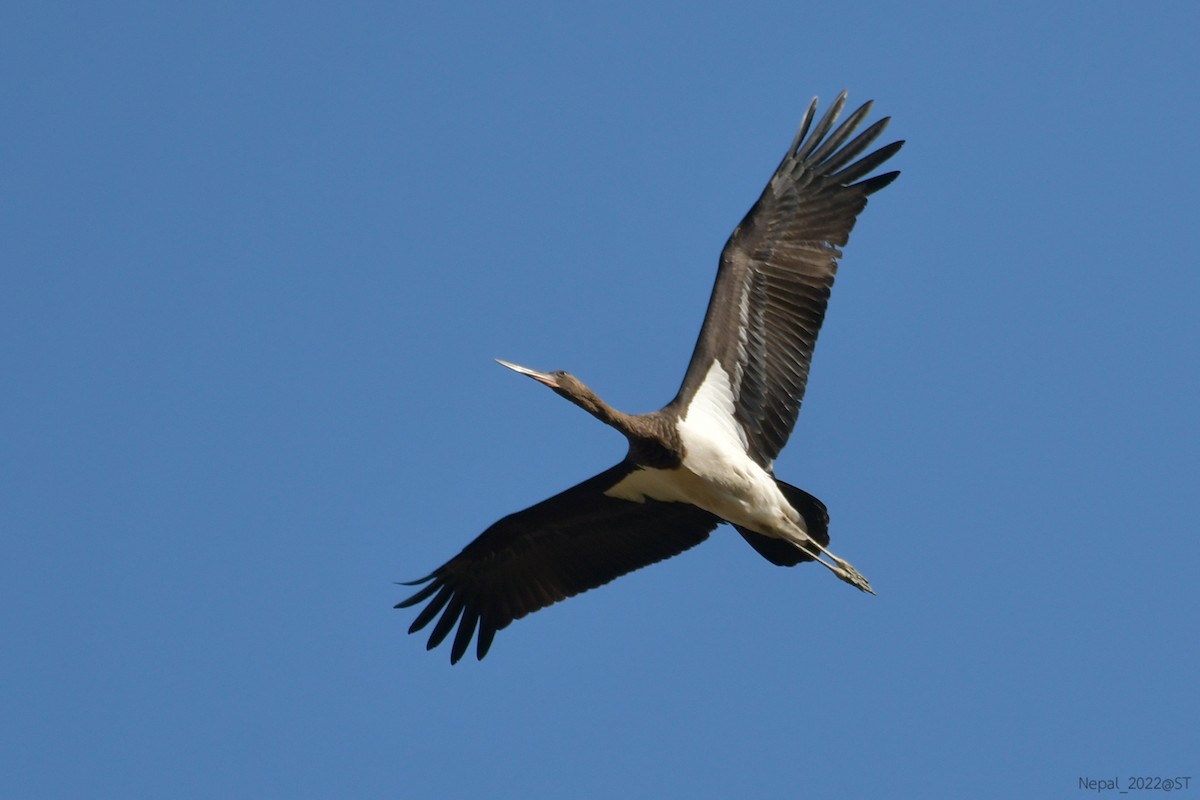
(781, 552)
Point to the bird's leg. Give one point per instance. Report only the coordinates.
(842, 568)
(846, 571)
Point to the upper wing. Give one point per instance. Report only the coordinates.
(572, 542)
(776, 272)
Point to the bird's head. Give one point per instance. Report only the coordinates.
(557, 380)
(563, 383)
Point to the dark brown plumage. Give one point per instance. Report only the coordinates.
(766, 309)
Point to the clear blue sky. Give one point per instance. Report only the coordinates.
(257, 259)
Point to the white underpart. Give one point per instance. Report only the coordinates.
(717, 474)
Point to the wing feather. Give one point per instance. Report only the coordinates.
(777, 270)
(572, 542)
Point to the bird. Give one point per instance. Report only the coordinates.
(707, 457)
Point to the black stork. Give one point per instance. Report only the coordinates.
(707, 456)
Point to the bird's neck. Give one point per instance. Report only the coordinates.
(591, 403)
(653, 441)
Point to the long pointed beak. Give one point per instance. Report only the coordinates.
(541, 377)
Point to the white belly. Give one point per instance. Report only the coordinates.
(717, 475)
(743, 494)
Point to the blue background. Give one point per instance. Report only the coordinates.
(257, 258)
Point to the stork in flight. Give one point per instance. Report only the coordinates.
(707, 456)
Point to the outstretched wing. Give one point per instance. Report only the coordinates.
(776, 273)
(572, 542)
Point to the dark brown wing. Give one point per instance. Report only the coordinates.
(572, 542)
(776, 273)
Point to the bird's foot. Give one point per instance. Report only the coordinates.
(840, 567)
(846, 571)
